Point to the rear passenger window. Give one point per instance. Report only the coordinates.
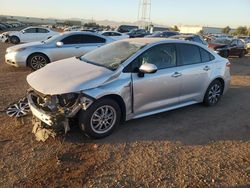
(189, 54)
(40, 30)
(206, 56)
(92, 39)
(73, 39)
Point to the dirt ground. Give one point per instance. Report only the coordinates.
(194, 146)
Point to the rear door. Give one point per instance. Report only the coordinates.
(154, 92)
(42, 34)
(195, 67)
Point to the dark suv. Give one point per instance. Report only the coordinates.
(163, 34)
(135, 33)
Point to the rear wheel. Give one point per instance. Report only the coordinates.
(242, 54)
(14, 40)
(226, 54)
(100, 119)
(37, 61)
(213, 93)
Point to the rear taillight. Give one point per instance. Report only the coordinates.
(228, 64)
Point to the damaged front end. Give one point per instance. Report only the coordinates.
(52, 113)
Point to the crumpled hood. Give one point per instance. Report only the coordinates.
(25, 45)
(68, 75)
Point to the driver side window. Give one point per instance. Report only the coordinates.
(30, 30)
(162, 56)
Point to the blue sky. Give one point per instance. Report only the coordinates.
(168, 12)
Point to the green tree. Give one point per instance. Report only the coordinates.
(201, 32)
(226, 30)
(175, 28)
(241, 31)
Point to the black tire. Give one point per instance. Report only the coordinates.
(242, 54)
(14, 40)
(213, 93)
(226, 54)
(86, 117)
(37, 61)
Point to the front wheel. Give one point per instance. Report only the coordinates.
(100, 119)
(37, 61)
(213, 93)
(14, 40)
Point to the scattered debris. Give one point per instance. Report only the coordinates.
(41, 132)
(18, 109)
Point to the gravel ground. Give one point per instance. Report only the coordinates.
(195, 146)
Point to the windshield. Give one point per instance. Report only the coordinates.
(112, 55)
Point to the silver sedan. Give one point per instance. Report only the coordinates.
(65, 45)
(128, 79)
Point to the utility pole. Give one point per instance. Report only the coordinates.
(144, 12)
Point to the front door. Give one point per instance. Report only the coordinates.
(159, 90)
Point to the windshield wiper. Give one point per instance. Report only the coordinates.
(93, 63)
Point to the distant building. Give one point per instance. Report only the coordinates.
(40, 21)
(205, 30)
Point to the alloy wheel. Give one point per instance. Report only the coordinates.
(37, 62)
(103, 119)
(214, 94)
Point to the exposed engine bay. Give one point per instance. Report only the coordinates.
(52, 113)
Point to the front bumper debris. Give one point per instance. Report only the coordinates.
(51, 122)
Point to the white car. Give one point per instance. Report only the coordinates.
(30, 34)
(115, 35)
(68, 44)
(73, 28)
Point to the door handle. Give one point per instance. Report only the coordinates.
(176, 75)
(206, 68)
(77, 47)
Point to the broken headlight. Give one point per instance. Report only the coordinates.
(49, 102)
(67, 100)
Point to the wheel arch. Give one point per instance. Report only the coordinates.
(118, 99)
(36, 53)
(219, 79)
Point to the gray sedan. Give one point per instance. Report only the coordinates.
(65, 45)
(125, 80)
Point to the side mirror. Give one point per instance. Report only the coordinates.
(59, 44)
(23, 31)
(148, 68)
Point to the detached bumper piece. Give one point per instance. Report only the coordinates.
(52, 116)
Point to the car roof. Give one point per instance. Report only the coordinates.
(36, 27)
(148, 41)
(184, 36)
